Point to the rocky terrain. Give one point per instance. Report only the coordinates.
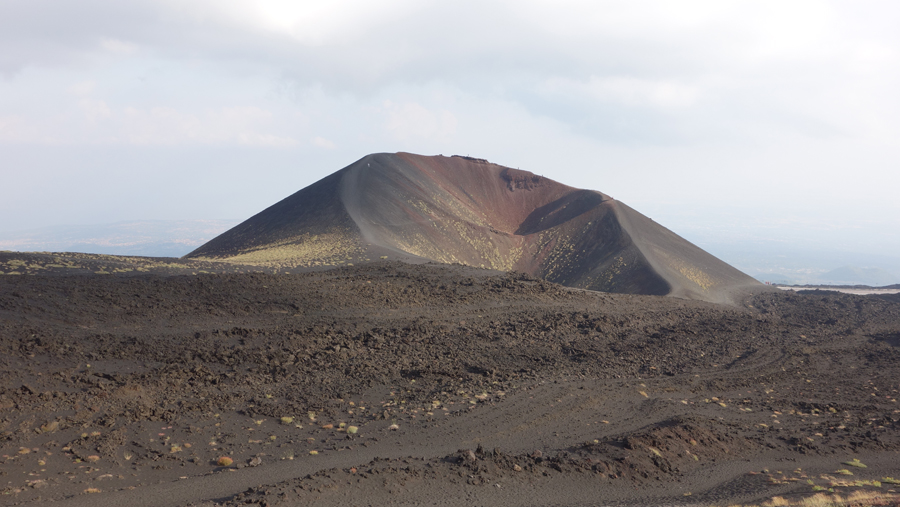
(401, 384)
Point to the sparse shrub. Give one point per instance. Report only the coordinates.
(855, 463)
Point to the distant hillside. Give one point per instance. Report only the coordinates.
(850, 275)
(469, 211)
(149, 238)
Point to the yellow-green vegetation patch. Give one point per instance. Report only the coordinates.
(854, 463)
(827, 498)
(307, 250)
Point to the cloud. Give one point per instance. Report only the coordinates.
(170, 126)
(739, 99)
(94, 121)
(321, 142)
(411, 120)
(95, 110)
(313, 23)
(118, 47)
(589, 64)
(17, 129)
(626, 91)
(268, 140)
(83, 88)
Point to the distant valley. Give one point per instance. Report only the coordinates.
(147, 238)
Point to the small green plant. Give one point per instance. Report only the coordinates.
(287, 420)
(352, 430)
(843, 471)
(854, 463)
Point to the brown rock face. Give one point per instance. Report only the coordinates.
(469, 211)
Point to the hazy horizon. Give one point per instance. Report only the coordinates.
(764, 132)
(774, 260)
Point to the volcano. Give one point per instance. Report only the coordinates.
(470, 211)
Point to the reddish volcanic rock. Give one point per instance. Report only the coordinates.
(469, 211)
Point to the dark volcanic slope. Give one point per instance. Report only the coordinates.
(469, 211)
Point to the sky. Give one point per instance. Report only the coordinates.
(731, 123)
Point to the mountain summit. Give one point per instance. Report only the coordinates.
(470, 211)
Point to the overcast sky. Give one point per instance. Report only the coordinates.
(724, 116)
